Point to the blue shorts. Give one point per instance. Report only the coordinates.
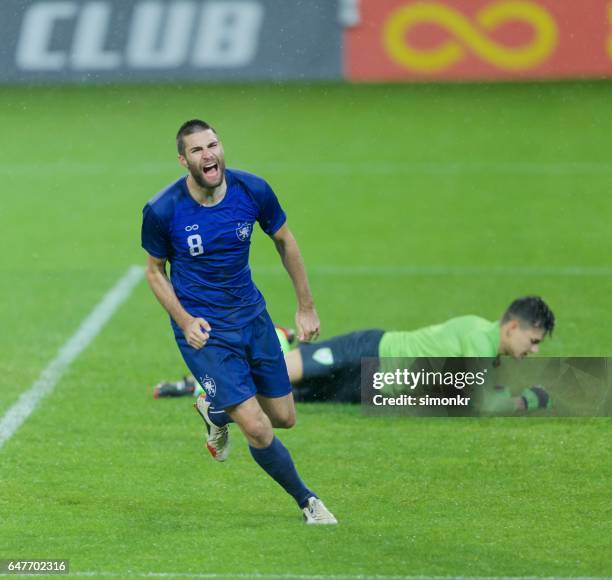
(234, 365)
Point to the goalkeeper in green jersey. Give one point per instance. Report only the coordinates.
(330, 370)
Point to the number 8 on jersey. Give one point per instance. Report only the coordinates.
(195, 245)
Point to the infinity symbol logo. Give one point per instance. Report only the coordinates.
(193, 228)
(470, 35)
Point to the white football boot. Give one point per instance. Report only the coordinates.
(217, 440)
(316, 512)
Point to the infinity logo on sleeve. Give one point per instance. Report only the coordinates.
(470, 35)
(193, 228)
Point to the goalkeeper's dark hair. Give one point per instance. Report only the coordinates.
(189, 127)
(531, 310)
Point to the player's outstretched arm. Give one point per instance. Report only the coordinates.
(195, 329)
(306, 317)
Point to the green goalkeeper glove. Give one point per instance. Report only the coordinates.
(535, 398)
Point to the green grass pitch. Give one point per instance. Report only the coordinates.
(411, 204)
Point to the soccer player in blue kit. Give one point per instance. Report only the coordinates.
(202, 225)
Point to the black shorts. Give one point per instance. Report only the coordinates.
(332, 368)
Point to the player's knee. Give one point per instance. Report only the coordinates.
(295, 366)
(257, 427)
(287, 421)
(284, 422)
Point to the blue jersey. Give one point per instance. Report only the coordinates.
(208, 246)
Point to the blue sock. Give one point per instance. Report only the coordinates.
(276, 461)
(219, 417)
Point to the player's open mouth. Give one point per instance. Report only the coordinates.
(210, 170)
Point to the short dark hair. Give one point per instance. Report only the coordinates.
(189, 127)
(533, 311)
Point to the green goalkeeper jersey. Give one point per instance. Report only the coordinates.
(465, 336)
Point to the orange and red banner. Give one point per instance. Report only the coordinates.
(479, 39)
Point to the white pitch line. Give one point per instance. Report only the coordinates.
(343, 270)
(348, 167)
(288, 576)
(438, 168)
(87, 331)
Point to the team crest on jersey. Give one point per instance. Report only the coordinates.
(208, 384)
(243, 231)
